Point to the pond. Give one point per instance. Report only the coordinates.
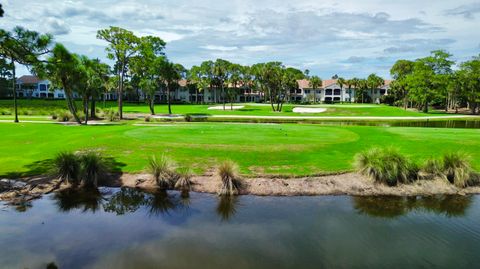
(125, 228)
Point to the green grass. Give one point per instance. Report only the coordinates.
(286, 149)
(45, 107)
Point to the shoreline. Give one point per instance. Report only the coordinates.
(351, 184)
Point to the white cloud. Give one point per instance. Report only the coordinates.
(321, 36)
(219, 48)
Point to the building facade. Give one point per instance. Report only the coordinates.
(33, 87)
(329, 92)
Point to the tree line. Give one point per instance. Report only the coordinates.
(433, 81)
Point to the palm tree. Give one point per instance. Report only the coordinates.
(341, 81)
(349, 84)
(221, 75)
(374, 82)
(355, 82)
(62, 68)
(234, 80)
(170, 74)
(315, 82)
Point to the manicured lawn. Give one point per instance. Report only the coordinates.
(45, 107)
(287, 149)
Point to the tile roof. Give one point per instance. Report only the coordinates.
(28, 80)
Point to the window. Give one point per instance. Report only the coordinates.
(336, 92)
(307, 91)
(60, 95)
(382, 92)
(328, 92)
(336, 99)
(43, 87)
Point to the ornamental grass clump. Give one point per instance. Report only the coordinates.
(386, 166)
(163, 171)
(228, 173)
(92, 168)
(112, 115)
(64, 116)
(67, 167)
(454, 167)
(183, 182)
(86, 168)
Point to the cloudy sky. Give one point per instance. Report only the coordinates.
(348, 37)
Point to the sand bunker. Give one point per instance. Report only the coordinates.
(227, 107)
(309, 109)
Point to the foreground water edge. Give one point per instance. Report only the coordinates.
(126, 228)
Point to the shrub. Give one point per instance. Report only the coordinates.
(162, 170)
(457, 168)
(5, 112)
(92, 167)
(67, 167)
(112, 115)
(433, 168)
(228, 173)
(183, 183)
(386, 166)
(454, 167)
(64, 116)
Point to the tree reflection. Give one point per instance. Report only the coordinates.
(226, 207)
(392, 207)
(84, 199)
(126, 200)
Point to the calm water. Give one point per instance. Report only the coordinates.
(129, 229)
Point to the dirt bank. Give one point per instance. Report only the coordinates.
(342, 184)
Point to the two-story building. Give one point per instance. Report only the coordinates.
(331, 91)
(33, 87)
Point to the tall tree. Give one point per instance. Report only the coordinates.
(221, 75)
(207, 75)
(195, 77)
(235, 71)
(399, 71)
(341, 82)
(374, 82)
(170, 74)
(469, 82)
(95, 75)
(143, 67)
(315, 82)
(355, 83)
(24, 47)
(63, 70)
(123, 45)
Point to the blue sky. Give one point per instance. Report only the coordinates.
(348, 37)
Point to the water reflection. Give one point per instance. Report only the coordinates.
(227, 207)
(392, 207)
(87, 200)
(124, 201)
